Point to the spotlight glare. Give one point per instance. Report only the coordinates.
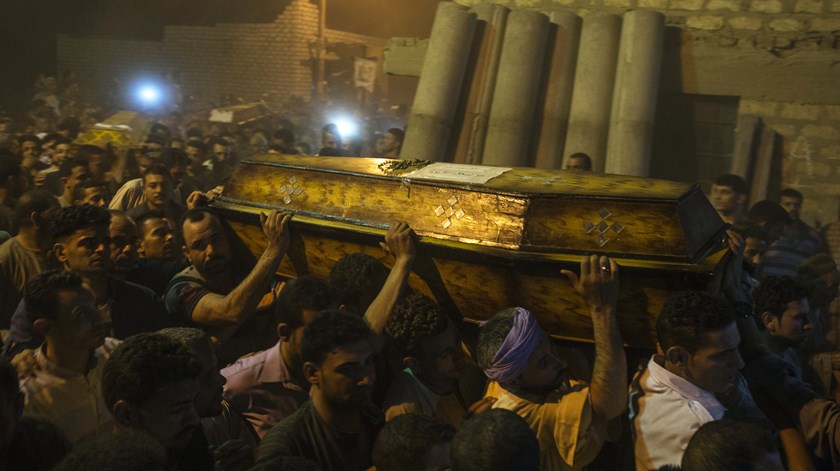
(347, 127)
(148, 94)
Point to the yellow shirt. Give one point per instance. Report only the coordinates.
(569, 435)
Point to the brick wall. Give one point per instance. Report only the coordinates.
(777, 56)
(245, 60)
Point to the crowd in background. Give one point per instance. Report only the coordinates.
(138, 334)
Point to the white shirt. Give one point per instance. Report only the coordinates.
(665, 411)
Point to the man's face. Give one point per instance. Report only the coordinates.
(177, 172)
(725, 199)
(714, 366)
(576, 163)
(157, 189)
(79, 173)
(195, 156)
(86, 251)
(792, 205)
(440, 358)
(96, 196)
(157, 239)
(29, 151)
(170, 416)
(330, 141)
(793, 323)
(346, 376)
(219, 151)
(59, 153)
(387, 143)
(754, 248)
(78, 323)
(143, 163)
(545, 370)
(96, 165)
(208, 402)
(123, 244)
(206, 246)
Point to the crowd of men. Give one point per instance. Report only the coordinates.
(133, 338)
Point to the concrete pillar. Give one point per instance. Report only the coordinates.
(490, 32)
(432, 113)
(636, 89)
(589, 117)
(564, 40)
(517, 87)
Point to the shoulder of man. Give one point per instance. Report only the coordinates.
(285, 438)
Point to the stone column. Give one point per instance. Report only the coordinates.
(589, 117)
(636, 90)
(432, 114)
(490, 32)
(563, 42)
(517, 86)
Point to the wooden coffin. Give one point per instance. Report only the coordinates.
(123, 129)
(488, 245)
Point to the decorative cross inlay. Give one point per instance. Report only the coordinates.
(290, 189)
(603, 227)
(450, 212)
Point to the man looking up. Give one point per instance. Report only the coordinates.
(82, 244)
(25, 255)
(729, 193)
(675, 394)
(569, 419)
(65, 387)
(268, 386)
(209, 294)
(157, 187)
(150, 384)
(338, 425)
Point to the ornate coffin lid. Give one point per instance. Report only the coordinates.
(122, 129)
(523, 214)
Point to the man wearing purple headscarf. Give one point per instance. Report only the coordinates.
(568, 417)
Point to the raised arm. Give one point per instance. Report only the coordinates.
(399, 242)
(598, 285)
(238, 305)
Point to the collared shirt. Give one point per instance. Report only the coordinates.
(407, 394)
(71, 400)
(262, 389)
(569, 434)
(665, 411)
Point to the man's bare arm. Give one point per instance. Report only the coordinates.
(399, 243)
(235, 308)
(598, 285)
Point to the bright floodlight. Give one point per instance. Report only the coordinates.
(148, 94)
(347, 127)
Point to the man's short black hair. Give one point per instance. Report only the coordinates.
(147, 215)
(73, 218)
(774, 292)
(790, 193)
(398, 134)
(125, 450)
(32, 201)
(157, 169)
(587, 160)
(41, 293)
(735, 182)
(195, 215)
(415, 317)
(286, 135)
(492, 335)
(329, 330)
(356, 280)
(687, 317)
(143, 364)
(768, 212)
(29, 138)
(197, 144)
(173, 157)
(88, 150)
(306, 292)
(727, 445)
(79, 189)
(496, 440)
(405, 441)
(218, 141)
(66, 168)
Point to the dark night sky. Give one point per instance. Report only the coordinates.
(28, 27)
